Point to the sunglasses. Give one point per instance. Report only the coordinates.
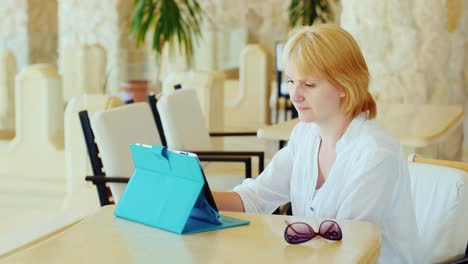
(300, 232)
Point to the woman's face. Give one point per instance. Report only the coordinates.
(313, 96)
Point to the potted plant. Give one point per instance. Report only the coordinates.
(171, 22)
(306, 12)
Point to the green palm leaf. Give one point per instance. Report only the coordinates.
(306, 12)
(173, 21)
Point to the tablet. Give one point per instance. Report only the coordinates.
(206, 187)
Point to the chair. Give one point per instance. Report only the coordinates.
(185, 128)
(113, 132)
(209, 87)
(76, 159)
(108, 137)
(440, 197)
(206, 156)
(99, 177)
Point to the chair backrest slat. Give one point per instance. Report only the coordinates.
(93, 152)
(447, 163)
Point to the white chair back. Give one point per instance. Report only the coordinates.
(76, 157)
(183, 121)
(115, 130)
(210, 93)
(440, 198)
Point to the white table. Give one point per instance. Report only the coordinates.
(103, 238)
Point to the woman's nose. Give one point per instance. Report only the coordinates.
(295, 93)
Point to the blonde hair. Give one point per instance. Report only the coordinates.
(332, 51)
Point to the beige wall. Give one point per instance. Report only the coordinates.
(90, 22)
(42, 27)
(99, 22)
(13, 29)
(29, 29)
(414, 48)
(266, 21)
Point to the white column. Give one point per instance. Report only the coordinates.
(36, 152)
(248, 108)
(84, 70)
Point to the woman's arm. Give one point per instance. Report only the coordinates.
(271, 188)
(228, 201)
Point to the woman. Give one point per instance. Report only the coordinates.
(339, 163)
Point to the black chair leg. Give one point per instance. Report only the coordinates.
(277, 110)
(284, 209)
(282, 143)
(294, 113)
(279, 76)
(248, 168)
(261, 163)
(289, 211)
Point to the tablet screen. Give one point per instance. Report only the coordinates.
(206, 188)
(207, 192)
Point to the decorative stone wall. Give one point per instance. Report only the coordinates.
(100, 22)
(13, 29)
(414, 48)
(7, 91)
(88, 22)
(29, 29)
(266, 21)
(42, 31)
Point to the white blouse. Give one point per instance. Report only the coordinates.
(368, 181)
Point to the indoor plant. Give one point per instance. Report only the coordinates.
(168, 22)
(306, 12)
(172, 22)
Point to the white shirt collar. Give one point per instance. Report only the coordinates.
(351, 132)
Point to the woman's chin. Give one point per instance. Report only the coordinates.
(305, 118)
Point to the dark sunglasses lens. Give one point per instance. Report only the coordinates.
(298, 233)
(330, 230)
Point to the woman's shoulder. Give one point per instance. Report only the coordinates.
(371, 140)
(374, 148)
(376, 137)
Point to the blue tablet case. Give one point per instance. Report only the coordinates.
(166, 191)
